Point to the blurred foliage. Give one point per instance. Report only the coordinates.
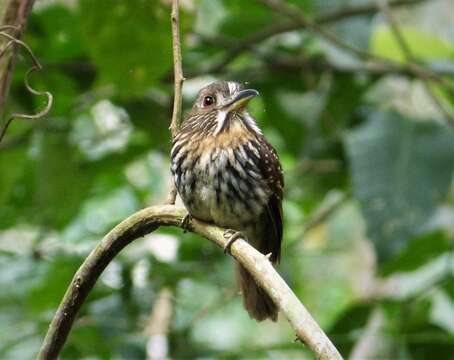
(368, 159)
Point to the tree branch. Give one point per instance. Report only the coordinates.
(178, 83)
(14, 15)
(177, 68)
(149, 219)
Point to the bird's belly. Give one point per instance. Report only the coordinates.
(221, 192)
(223, 212)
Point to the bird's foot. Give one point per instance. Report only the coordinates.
(186, 223)
(231, 236)
(298, 339)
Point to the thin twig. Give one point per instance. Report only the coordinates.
(319, 216)
(5, 127)
(324, 212)
(148, 220)
(237, 47)
(395, 29)
(317, 63)
(294, 13)
(178, 84)
(9, 27)
(411, 59)
(14, 17)
(36, 67)
(17, 140)
(177, 69)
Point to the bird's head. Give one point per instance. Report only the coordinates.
(221, 103)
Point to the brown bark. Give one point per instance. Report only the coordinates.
(13, 13)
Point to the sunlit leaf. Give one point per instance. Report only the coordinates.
(422, 45)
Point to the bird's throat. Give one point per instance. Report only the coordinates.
(222, 119)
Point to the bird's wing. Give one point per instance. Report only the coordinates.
(272, 217)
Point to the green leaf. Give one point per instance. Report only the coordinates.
(237, 25)
(420, 251)
(11, 186)
(63, 88)
(344, 103)
(418, 335)
(54, 35)
(421, 44)
(448, 286)
(401, 169)
(430, 342)
(129, 42)
(24, 273)
(59, 187)
(85, 341)
(50, 288)
(350, 321)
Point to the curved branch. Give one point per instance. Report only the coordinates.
(149, 219)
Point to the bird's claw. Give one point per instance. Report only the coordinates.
(298, 339)
(186, 223)
(231, 236)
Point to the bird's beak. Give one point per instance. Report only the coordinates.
(241, 99)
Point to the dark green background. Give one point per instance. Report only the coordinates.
(369, 151)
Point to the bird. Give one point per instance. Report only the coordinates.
(227, 173)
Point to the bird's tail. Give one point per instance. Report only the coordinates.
(257, 303)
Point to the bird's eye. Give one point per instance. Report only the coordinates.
(208, 100)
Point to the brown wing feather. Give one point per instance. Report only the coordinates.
(272, 217)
